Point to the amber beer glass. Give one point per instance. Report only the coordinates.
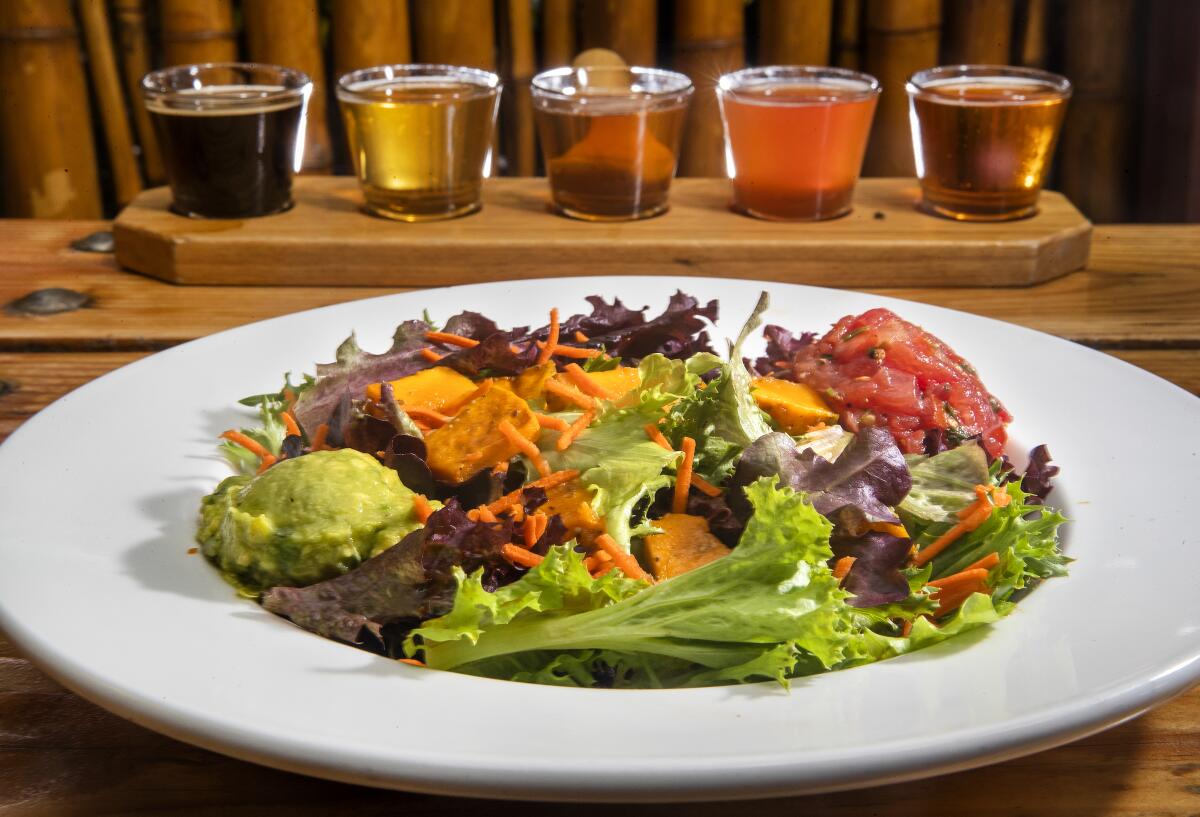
(794, 138)
(420, 137)
(232, 135)
(610, 138)
(983, 137)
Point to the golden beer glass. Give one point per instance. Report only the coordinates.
(983, 137)
(420, 137)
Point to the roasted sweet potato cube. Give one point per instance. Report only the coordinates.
(472, 441)
(619, 382)
(531, 383)
(568, 501)
(685, 544)
(794, 406)
(438, 388)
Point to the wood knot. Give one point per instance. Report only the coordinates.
(50, 301)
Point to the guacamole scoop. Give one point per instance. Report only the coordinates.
(304, 519)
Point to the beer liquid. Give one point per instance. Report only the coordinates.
(229, 162)
(983, 147)
(606, 163)
(421, 150)
(796, 149)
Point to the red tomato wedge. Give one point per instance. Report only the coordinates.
(878, 369)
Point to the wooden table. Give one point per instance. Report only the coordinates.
(59, 755)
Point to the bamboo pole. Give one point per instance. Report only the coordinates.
(516, 113)
(197, 31)
(794, 32)
(106, 85)
(848, 34)
(368, 33)
(629, 27)
(978, 32)
(1031, 34)
(558, 33)
(47, 158)
(708, 43)
(135, 59)
(1095, 156)
(285, 32)
(902, 38)
(456, 32)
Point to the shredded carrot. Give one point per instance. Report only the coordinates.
(473, 514)
(520, 556)
(422, 508)
(569, 394)
(584, 382)
(480, 390)
(580, 337)
(551, 339)
(987, 562)
(683, 477)
(657, 436)
(517, 512)
(290, 424)
(781, 364)
(960, 579)
(628, 565)
(245, 442)
(906, 630)
(318, 438)
(578, 427)
(552, 423)
(266, 463)
(451, 339)
(411, 662)
(704, 486)
(430, 417)
(550, 481)
(842, 567)
(888, 527)
(970, 517)
(524, 446)
(289, 398)
(485, 515)
(570, 351)
(529, 531)
(951, 600)
(542, 522)
(430, 355)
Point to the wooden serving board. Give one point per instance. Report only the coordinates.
(327, 240)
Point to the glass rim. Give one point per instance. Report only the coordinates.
(683, 84)
(920, 83)
(484, 83)
(295, 84)
(727, 84)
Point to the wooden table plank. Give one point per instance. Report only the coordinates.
(1140, 291)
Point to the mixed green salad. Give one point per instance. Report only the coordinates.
(604, 501)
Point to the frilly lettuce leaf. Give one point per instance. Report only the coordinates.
(944, 484)
(749, 613)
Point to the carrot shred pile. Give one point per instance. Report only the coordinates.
(987, 498)
(524, 446)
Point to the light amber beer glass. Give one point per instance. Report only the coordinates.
(983, 137)
(420, 137)
(610, 138)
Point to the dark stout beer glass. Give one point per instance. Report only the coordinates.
(232, 135)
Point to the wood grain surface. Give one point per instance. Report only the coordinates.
(326, 240)
(61, 756)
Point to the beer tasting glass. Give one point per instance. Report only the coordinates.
(794, 138)
(983, 137)
(420, 137)
(232, 135)
(610, 138)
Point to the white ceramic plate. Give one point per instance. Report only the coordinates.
(98, 498)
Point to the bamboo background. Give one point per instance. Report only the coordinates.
(75, 141)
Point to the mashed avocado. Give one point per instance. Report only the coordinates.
(304, 519)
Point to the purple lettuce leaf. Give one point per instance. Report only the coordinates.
(1039, 473)
(875, 578)
(680, 331)
(354, 370)
(782, 347)
(858, 488)
(493, 357)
